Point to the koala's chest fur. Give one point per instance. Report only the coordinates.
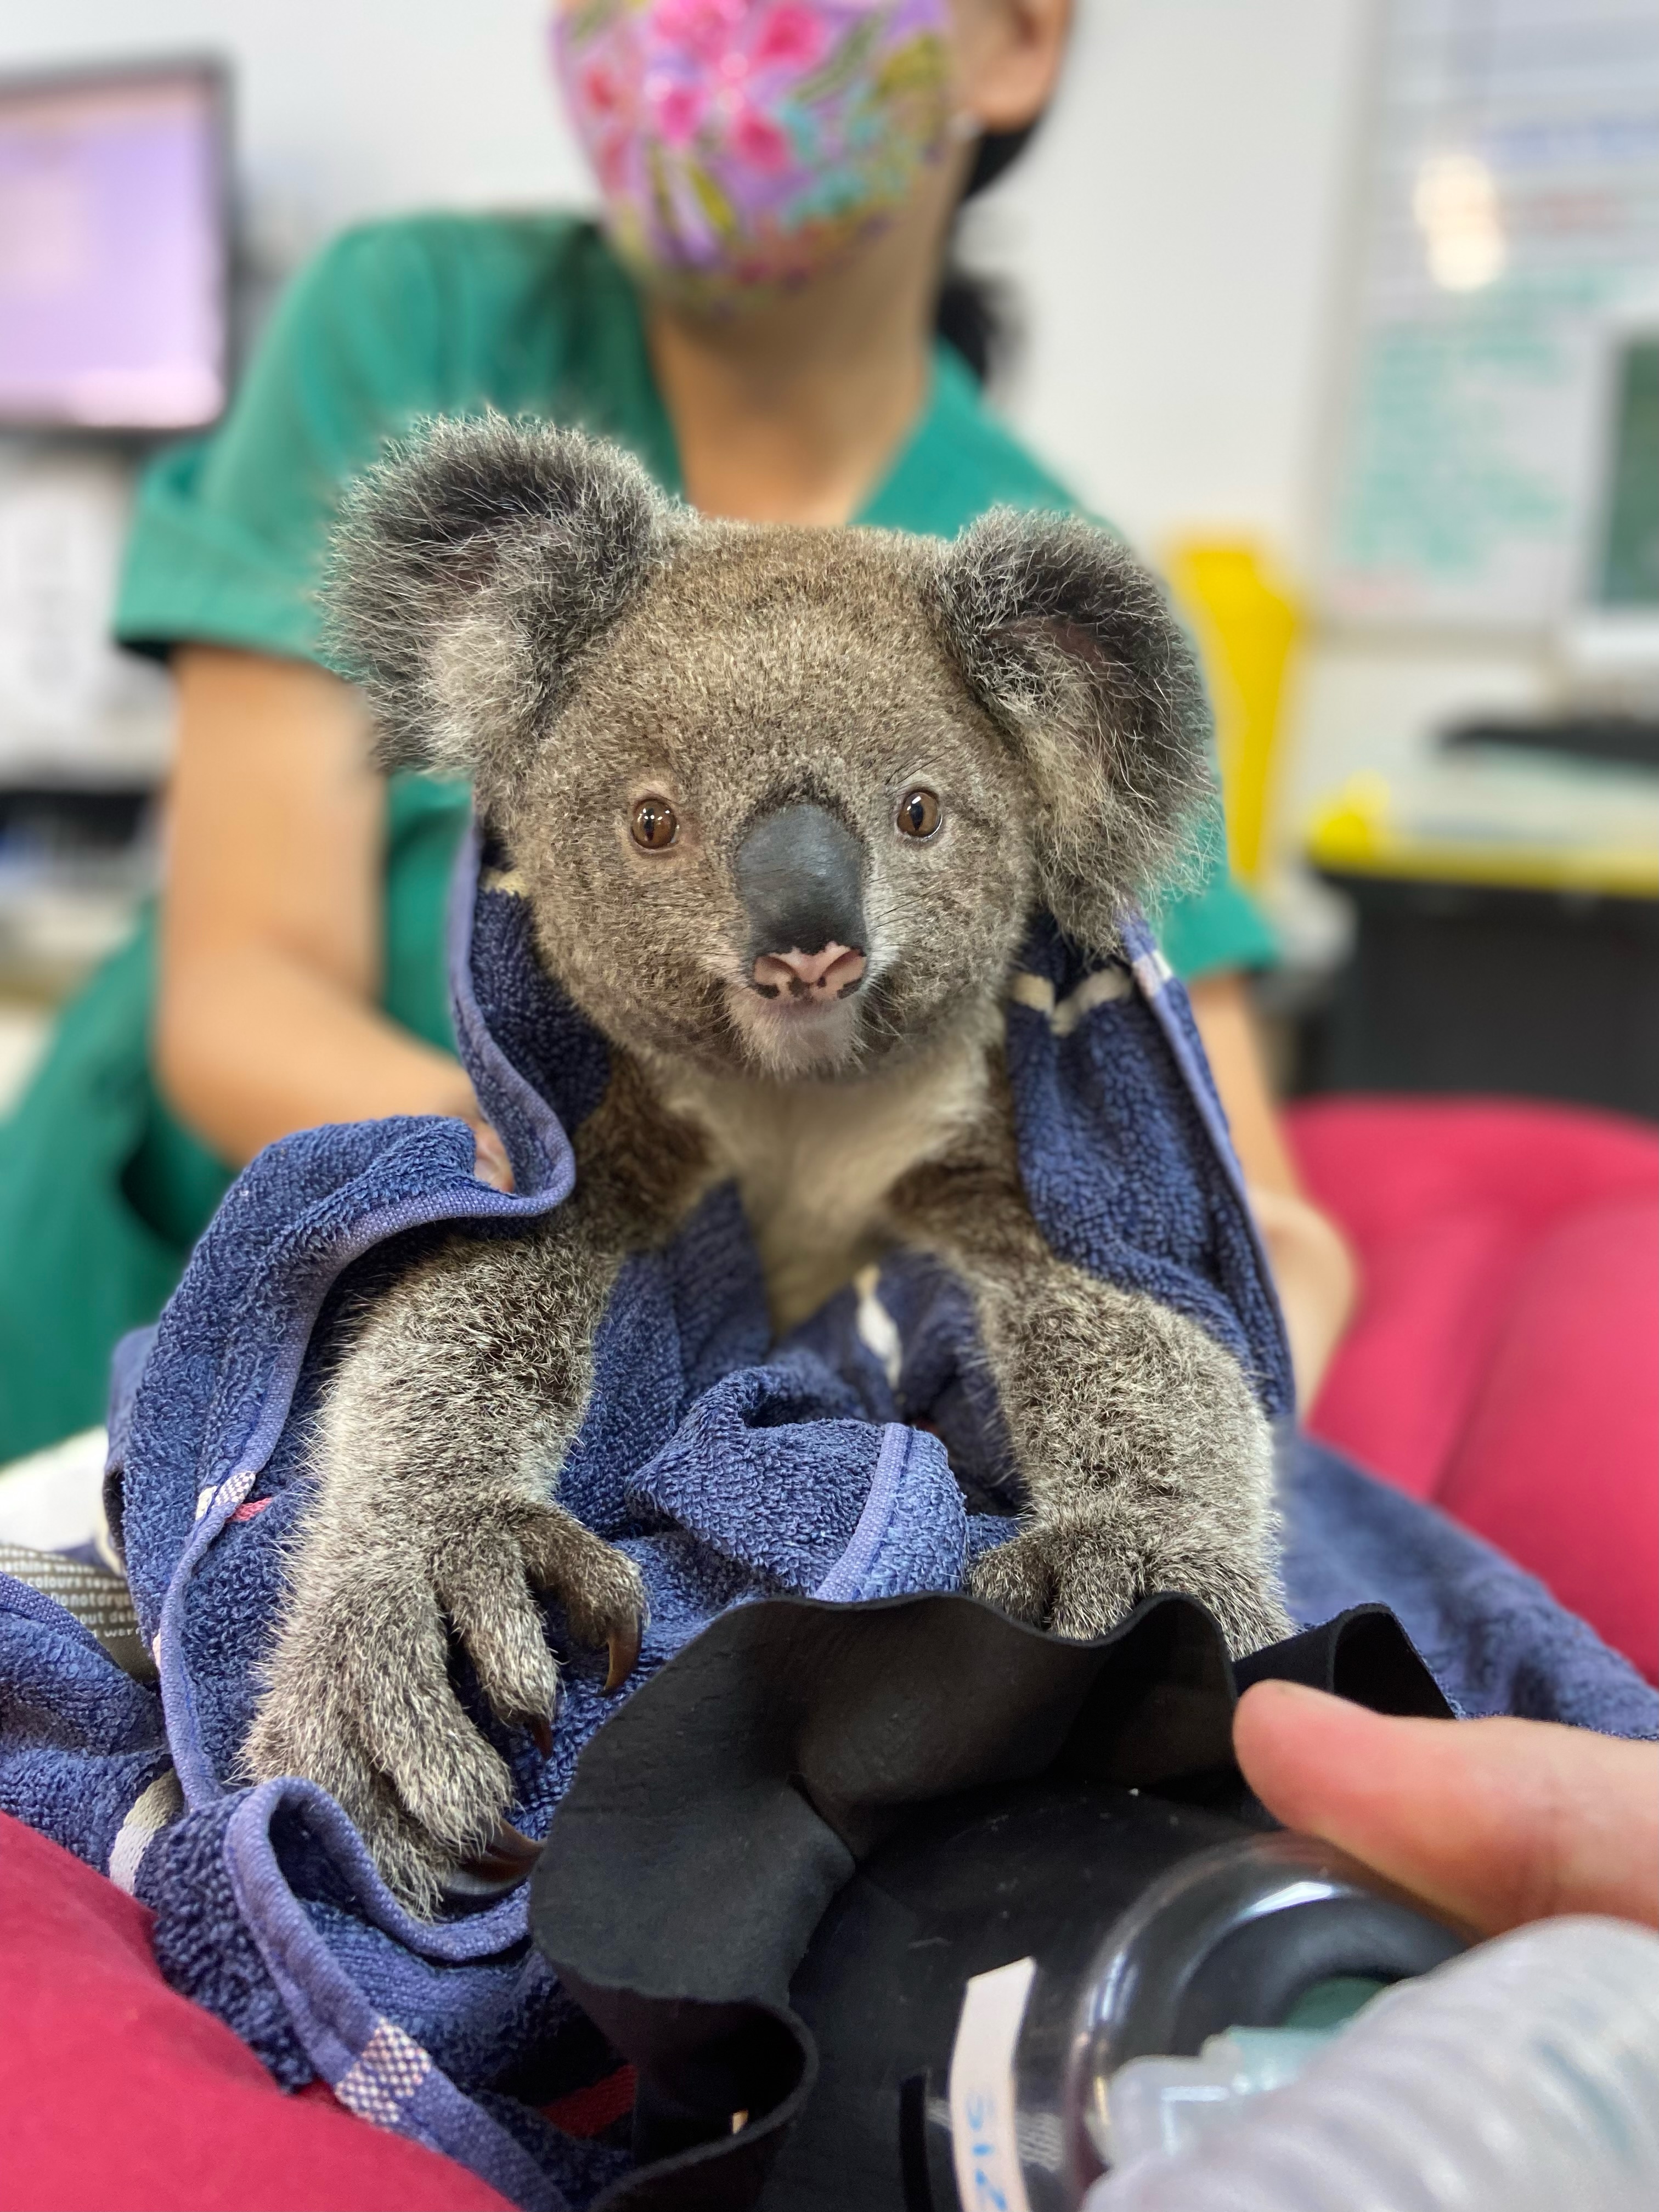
(814, 1162)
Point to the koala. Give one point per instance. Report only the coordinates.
(782, 802)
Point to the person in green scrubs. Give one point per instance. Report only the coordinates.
(293, 972)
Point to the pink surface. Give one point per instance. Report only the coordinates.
(1505, 1358)
(118, 2094)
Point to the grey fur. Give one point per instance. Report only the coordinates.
(523, 606)
(468, 569)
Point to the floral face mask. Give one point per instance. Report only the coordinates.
(745, 144)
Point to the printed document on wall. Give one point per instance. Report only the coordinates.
(1512, 219)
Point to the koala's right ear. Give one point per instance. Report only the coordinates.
(468, 568)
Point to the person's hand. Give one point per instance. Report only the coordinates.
(489, 1161)
(1497, 1821)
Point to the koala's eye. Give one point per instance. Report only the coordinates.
(919, 812)
(654, 824)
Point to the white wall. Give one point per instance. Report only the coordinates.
(1175, 229)
(1177, 233)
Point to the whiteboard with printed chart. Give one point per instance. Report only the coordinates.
(1509, 225)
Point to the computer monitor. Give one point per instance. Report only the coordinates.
(1613, 633)
(113, 249)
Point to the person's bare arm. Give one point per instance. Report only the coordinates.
(271, 922)
(1498, 1822)
(1312, 1265)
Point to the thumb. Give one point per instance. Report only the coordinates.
(1497, 1821)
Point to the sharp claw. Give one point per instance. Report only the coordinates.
(541, 1734)
(624, 1650)
(508, 1855)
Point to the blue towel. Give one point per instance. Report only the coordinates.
(732, 1468)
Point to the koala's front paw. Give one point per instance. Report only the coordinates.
(1080, 1578)
(359, 1697)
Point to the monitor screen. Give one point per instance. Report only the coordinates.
(113, 250)
(1629, 567)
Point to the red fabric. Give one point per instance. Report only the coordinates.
(117, 2092)
(1505, 1358)
(591, 2111)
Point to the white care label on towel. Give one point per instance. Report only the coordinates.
(984, 2143)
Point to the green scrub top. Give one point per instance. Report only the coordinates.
(102, 1190)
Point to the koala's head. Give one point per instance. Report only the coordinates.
(782, 800)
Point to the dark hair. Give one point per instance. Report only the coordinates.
(997, 151)
(975, 314)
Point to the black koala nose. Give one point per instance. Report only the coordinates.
(801, 877)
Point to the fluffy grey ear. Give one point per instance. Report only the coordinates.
(1070, 647)
(468, 568)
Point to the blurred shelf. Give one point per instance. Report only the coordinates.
(1523, 822)
(76, 864)
(1480, 987)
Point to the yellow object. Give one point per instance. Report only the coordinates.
(1246, 627)
(1361, 830)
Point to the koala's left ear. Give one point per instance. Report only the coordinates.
(469, 569)
(1070, 646)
